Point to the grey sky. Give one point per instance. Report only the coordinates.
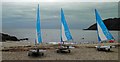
(60, 0)
(79, 15)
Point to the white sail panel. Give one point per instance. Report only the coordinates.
(100, 33)
(64, 38)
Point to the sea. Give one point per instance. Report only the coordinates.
(53, 35)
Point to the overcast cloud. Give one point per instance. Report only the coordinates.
(79, 15)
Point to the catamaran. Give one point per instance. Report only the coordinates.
(103, 34)
(65, 34)
(38, 40)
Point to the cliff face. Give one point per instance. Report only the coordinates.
(111, 24)
(5, 37)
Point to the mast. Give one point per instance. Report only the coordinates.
(102, 31)
(38, 27)
(65, 33)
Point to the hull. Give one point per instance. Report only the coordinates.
(35, 53)
(104, 48)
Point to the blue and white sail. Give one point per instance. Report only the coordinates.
(38, 27)
(65, 33)
(102, 31)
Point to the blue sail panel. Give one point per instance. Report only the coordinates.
(66, 35)
(103, 32)
(38, 29)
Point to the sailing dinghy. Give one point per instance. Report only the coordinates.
(103, 34)
(65, 35)
(38, 40)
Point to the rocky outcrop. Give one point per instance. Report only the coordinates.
(6, 37)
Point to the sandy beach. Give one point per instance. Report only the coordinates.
(81, 53)
(76, 54)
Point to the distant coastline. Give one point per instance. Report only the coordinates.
(111, 23)
(7, 37)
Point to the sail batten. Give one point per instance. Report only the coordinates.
(38, 29)
(65, 33)
(102, 31)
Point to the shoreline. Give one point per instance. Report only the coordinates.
(6, 46)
